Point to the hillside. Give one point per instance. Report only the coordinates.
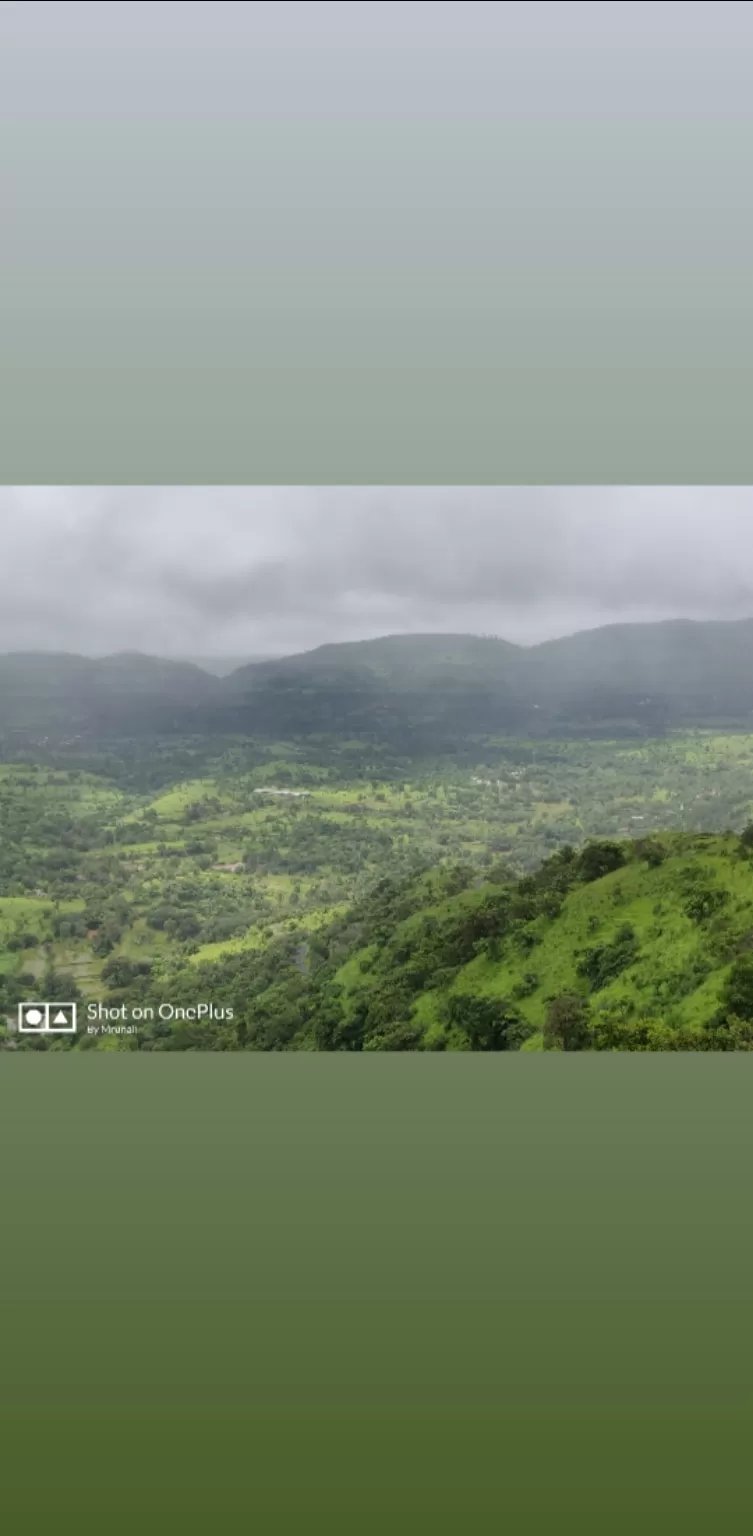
(633, 676)
(624, 945)
(639, 945)
(415, 693)
(418, 692)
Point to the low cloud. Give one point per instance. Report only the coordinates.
(236, 571)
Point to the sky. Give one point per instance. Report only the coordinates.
(242, 572)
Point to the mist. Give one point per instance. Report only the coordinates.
(237, 573)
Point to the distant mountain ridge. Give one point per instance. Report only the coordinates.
(126, 692)
(643, 676)
(425, 690)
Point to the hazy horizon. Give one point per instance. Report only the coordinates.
(222, 665)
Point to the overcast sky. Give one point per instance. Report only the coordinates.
(264, 571)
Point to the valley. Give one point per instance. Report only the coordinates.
(229, 867)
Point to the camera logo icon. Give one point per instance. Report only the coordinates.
(47, 1018)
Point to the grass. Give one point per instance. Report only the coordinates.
(307, 922)
(176, 801)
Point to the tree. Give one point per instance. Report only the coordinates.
(727, 1032)
(120, 972)
(490, 1023)
(737, 993)
(651, 851)
(106, 938)
(598, 859)
(60, 984)
(567, 1026)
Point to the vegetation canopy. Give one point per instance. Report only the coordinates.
(341, 896)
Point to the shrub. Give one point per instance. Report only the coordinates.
(527, 986)
(603, 963)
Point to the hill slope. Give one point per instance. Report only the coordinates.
(637, 945)
(641, 939)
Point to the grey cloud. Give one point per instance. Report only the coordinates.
(249, 570)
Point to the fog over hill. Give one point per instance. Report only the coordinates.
(222, 666)
(429, 690)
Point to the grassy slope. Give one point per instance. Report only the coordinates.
(307, 922)
(651, 900)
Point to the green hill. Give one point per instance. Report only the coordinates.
(644, 945)
(623, 945)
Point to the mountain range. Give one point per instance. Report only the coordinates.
(423, 690)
